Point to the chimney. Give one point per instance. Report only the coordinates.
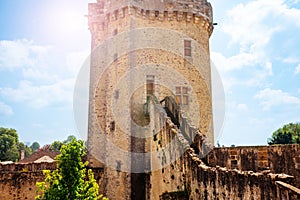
(22, 155)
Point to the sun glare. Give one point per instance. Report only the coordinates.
(71, 21)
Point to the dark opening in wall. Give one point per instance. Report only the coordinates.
(118, 167)
(112, 126)
(150, 84)
(234, 164)
(187, 48)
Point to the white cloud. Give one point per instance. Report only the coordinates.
(297, 70)
(38, 96)
(260, 68)
(38, 74)
(270, 98)
(20, 53)
(6, 109)
(40, 63)
(292, 14)
(234, 62)
(251, 26)
(47, 77)
(245, 23)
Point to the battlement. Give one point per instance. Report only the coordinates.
(194, 176)
(196, 11)
(202, 7)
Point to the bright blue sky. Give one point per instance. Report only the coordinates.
(255, 47)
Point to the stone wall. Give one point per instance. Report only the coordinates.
(19, 185)
(182, 174)
(276, 159)
(188, 177)
(222, 183)
(17, 181)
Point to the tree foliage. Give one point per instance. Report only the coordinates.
(35, 146)
(56, 145)
(8, 144)
(69, 139)
(288, 134)
(70, 181)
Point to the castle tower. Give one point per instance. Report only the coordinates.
(144, 48)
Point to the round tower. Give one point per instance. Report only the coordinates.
(141, 50)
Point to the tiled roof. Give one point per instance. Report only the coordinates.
(38, 155)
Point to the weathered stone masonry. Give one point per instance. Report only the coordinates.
(275, 159)
(18, 181)
(139, 35)
(131, 35)
(187, 178)
(190, 178)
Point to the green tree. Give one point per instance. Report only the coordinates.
(9, 144)
(69, 139)
(56, 145)
(35, 146)
(70, 180)
(288, 134)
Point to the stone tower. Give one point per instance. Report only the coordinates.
(144, 50)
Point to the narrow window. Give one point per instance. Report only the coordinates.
(118, 167)
(181, 95)
(187, 48)
(178, 95)
(184, 96)
(112, 126)
(150, 85)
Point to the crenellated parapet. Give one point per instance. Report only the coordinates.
(192, 11)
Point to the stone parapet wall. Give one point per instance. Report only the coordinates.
(19, 185)
(223, 183)
(18, 181)
(198, 7)
(277, 159)
(32, 167)
(287, 191)
(188, 177)
(100, 14)
(191, 177)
